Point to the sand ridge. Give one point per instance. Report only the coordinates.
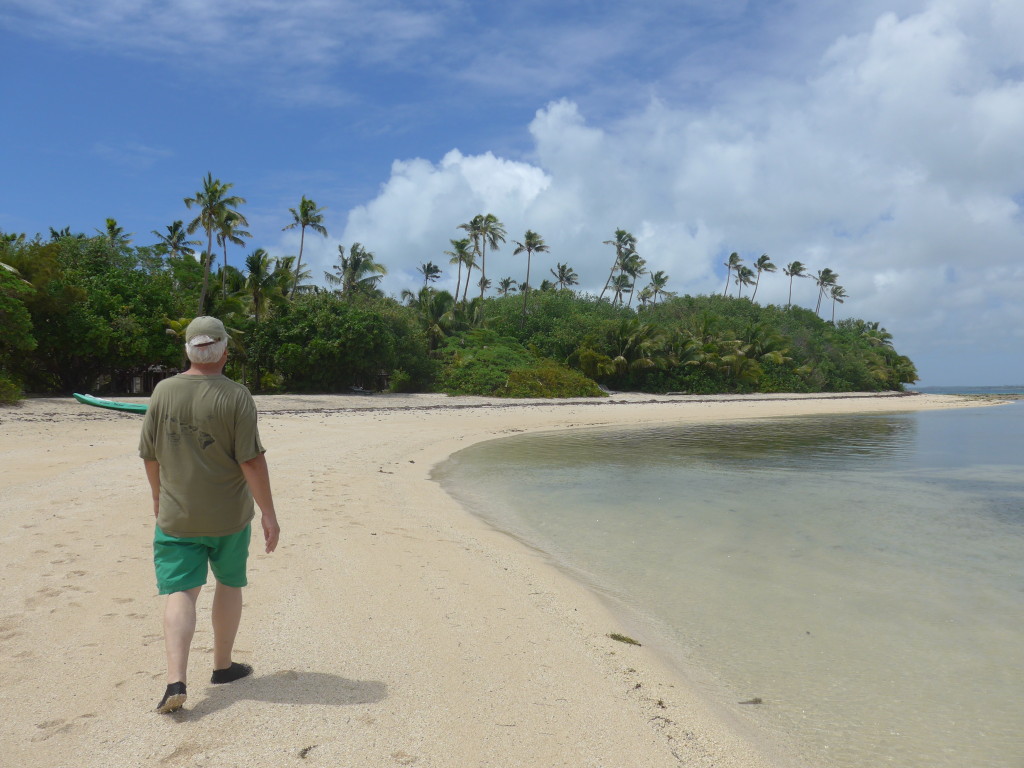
(390, 628)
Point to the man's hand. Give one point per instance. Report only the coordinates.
(271, 531)
(258, 477)
(153, 475)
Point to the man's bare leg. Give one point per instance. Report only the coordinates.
(227, 614)
(179, 627)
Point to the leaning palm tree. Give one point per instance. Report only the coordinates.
(620, 284)
(824, 279)
(460, 254)
(734, 262)
(175, 242)
(763, 264)
(744, 276)
(624, 244)
(213, 202)
(838, 293)
(230, 231)
(531, 243)
(791, 270)
(565, 276)
(306, 216)
(635, 267)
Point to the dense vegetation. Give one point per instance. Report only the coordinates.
(87, 313)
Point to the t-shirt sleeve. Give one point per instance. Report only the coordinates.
(147, 440)
(247, 434)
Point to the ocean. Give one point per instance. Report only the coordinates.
(863, 576)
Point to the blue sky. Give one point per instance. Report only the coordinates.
(881, 139)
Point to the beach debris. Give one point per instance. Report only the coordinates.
(306, 750)
(623, 639)
(755, 700)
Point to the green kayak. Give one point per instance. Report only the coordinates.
(113, 405)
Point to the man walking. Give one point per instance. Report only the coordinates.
(205, 464)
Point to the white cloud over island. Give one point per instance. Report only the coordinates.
(897, 163)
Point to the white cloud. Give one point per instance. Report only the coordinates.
(897, 164)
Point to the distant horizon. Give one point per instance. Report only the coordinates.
(965, 386)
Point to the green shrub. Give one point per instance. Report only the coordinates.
(484, 363)
(400, 382)
(547, 378)
(10, 393)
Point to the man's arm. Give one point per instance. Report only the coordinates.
(153, 475)
(257, 475)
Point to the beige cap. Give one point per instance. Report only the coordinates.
(205, 330)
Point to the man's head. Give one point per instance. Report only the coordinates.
(205, 340)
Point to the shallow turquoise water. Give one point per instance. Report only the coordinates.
(863, 575)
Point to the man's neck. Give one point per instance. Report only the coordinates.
(203, 369)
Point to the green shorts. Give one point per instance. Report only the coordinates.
(181, 562)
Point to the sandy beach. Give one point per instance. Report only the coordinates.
(391, 627)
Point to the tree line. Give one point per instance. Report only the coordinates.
(87, 312)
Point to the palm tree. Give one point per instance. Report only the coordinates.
(744, 276)
(531, 243)
(824, 279)
(60, 234)
(435, 310)
(876, 335)
(624, 244)
(460, 254)
(734, 262)
(484, 230)
(213, 203)
(230, 231)
(307, 215)
(285, 278)
(620, 284)
(430, 272)
(115, 235)
(838, 293)
(658, 282)
(634, 266)
(564, 276)
(506, 286)
(357, 272)
(261, 282)
(793, 269)
(763, 264)
(636, 346)
(175, 242)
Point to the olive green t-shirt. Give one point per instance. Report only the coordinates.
(200, 428)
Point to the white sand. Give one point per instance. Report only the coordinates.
(391, 628)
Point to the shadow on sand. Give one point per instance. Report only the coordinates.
(286, 687)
